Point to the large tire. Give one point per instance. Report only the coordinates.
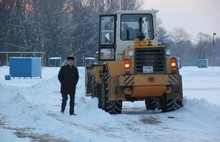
(169, 104)
(152, 103)
(95, 91)
(94, 87)
(112, 107)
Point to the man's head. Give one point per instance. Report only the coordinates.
(70, 60)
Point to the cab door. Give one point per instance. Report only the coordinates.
(107, 30)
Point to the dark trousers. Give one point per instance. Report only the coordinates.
(72, 102)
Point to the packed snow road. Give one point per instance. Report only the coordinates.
(30, 111)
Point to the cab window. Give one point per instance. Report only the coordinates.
(130, 26)
(107, 30)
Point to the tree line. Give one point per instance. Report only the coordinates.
(181, 44)
(56, 27)
(70, 27)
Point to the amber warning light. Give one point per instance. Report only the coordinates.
(127, 66)
(173, 65)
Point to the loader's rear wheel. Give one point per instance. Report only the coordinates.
(100, 104)
(94, 87)
(169, 104)
(95, 91)
(152, 103)
(112, 107)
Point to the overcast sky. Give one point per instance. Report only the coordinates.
(193, 16)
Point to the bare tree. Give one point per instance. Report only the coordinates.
(14, 24)
(57, 27)
(179, 36)
(163, 37)
(5, 10)
(180, 44)
(217, 49)
(203, 45)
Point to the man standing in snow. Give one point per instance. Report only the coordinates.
(68, 77)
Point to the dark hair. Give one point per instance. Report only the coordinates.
(70, 58)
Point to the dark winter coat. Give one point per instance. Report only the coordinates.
(68, 78)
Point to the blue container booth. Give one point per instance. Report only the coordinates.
(203, 63)
(25, 67)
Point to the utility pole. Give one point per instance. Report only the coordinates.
(213, 48)
(213, 43)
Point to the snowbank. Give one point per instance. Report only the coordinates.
(30, 109)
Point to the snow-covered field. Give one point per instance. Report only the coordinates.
(30, 111)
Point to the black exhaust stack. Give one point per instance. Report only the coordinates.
(140, 35)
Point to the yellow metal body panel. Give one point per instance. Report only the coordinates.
(178, 94)
(149, 79)
(168, 65)
(143, 85)
(115, 68)
(146, 85)
(140, 43)
(98, 72)
(115, 92)
(90, 72)
(145, 91)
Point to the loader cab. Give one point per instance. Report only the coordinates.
(118, 31)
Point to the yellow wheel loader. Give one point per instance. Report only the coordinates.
(133, 66)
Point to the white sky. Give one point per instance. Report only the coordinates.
(193, 16)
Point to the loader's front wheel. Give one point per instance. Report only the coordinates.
(112, 107)
(169, 104)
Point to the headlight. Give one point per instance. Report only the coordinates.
(130, 53)
(168, 52)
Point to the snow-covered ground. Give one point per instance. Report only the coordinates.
(30, 111)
